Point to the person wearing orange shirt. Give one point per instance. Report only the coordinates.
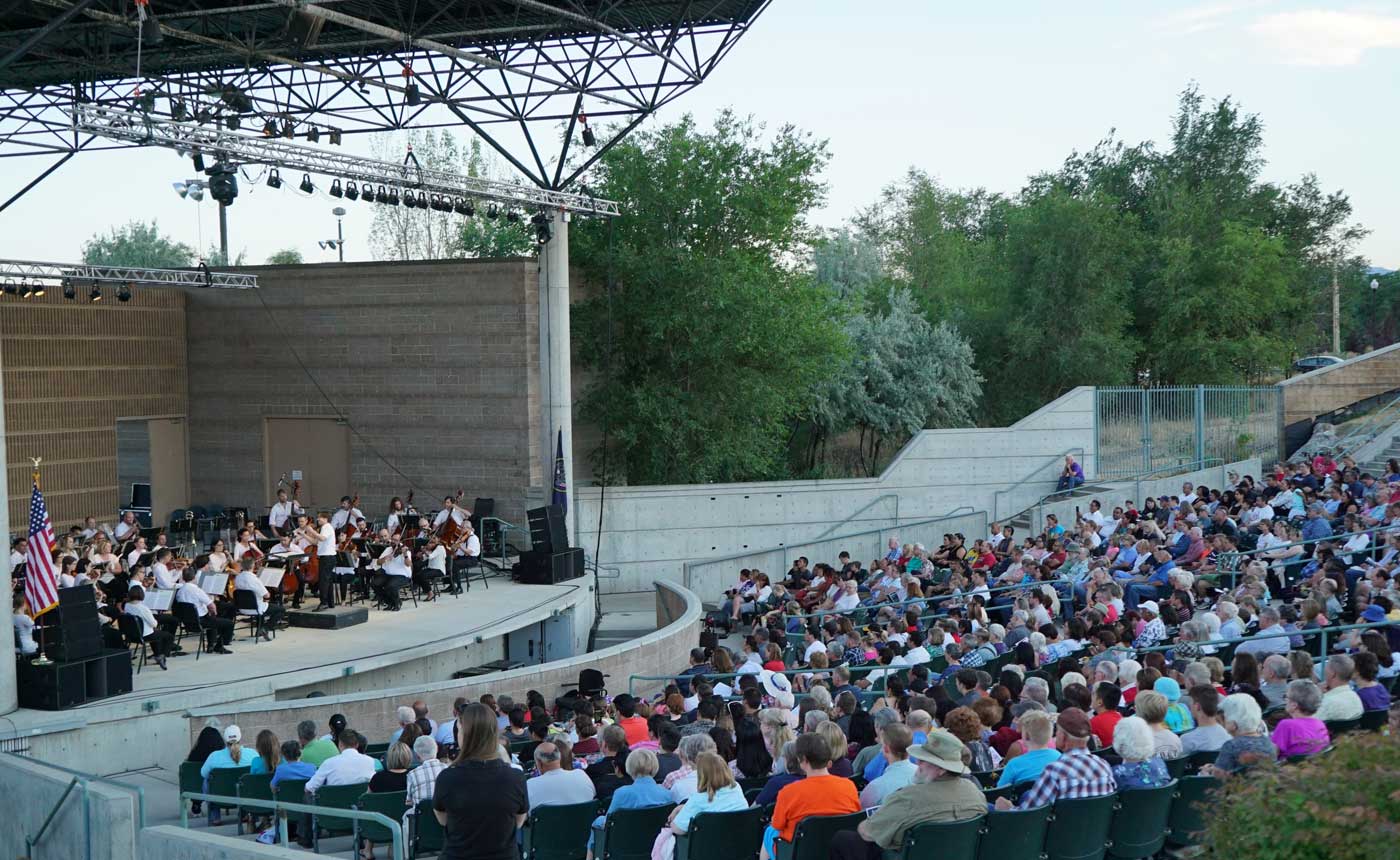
(817, 793)
(627, 719)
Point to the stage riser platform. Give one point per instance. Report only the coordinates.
(337, 618)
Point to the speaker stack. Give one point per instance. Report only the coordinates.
(82, 670)
(550, 560)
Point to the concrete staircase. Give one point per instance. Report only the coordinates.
(1022, 521)
(1376, 465)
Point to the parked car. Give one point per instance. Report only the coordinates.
(1313, 362)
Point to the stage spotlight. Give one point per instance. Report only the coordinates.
(588, 137)
(543, 231)
(236, 99)
(411, 94)
(233, 121)
(37, 290)
(422, 200)
(393, 199)
(313, 135)
(198, 160)
(124, 293)
(95, 294)
(146, 101)
(463, 206)
(223, 183)
(289, 130)
(70, 291)
(408, 200)
(492, 211)
(11, 288)
(306, 185)
(150, 27)
(351, 192)
(512, 216)
(336, 189)
(368, 194)
(274, 179)
(177, 110)
(334, 137)
(23, 289)
(203, 114)
(269, 128)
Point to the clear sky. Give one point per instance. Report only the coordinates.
(976, 94)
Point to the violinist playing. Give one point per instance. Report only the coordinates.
(248, 581)
(395, 565)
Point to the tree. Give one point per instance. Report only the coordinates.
(401, 233)
(215, 257)
(137, 244)
(285, 257)
(706, 339)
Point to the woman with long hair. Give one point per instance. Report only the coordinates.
(480, 799)
(232, 754)
(269, 750)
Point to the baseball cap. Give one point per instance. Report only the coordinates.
(1149, 606)
(943, 750)
(232, 733)
(1074, 722)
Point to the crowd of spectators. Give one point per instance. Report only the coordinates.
(1103, 657)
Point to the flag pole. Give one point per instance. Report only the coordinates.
(42, 659)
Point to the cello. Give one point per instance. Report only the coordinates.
(450, 530)
(290, 581)
(351, 530)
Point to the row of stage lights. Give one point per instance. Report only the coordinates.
(390, 196)
(26, 289)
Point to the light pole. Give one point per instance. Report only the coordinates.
(1375, 320)
(338, 243)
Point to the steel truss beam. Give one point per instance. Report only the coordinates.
(238, 148)
(29, 270)
(518, 73)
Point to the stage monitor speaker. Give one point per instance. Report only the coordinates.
(141, 496)
(547, 530)
(539, 568)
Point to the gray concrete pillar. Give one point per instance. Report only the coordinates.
(556, 383)
(8, 691)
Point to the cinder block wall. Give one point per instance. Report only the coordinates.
(434, 364)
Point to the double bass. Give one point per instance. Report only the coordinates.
(290, 582)
(351, 530)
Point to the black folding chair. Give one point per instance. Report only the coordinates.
(246, 602)
(189, 623)
(130, 627)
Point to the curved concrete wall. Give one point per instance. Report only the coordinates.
(373, 712)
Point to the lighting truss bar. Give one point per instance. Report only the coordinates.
(136, 276)
(239, 148)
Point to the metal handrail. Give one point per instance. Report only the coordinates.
(996, 496)
(1369, 427)
(1311, 631)
(278, 806)
(1230, 560)
(80, 781)
(688, 566)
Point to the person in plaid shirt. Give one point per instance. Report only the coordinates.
(1076, 773)
(422, 780)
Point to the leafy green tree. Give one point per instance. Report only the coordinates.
(484, 237)
(137, 244)
(285, 257)
(710, 341)
(215, 257)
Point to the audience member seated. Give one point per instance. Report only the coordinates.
(556, 786)
(1301, 733)
(817, 793)
(1141, 767)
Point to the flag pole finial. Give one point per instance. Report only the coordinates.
(37, 461)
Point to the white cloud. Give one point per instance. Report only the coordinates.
(1201, 19)
(1327, 38)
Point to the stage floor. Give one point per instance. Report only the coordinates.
(302, 656)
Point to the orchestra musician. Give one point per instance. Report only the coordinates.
(290, 545)
(165, 577)
(218, 557)
(345, 514)
(161, 641)
(127, 527)
(395, 565)
(248, 581)
(398, 516)
(450, 508)
(102, 557)
(218, 632)
(68, 572)
(467, 555)
(138, 549)
(282, 510)
(434, 566)
(245, 546)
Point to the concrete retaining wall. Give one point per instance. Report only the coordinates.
(373, 712)
(650, 532)
(30, 790)
(1328, 389)
(175, 843)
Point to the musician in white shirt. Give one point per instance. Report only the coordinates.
(102, 557)
(247, 580)
(165, 577)
(136, 553)
(127, 526)
(395, 568)
(399, 515)
(346, 513)
(218, 631)
(282, 510)
(450, 509)
(434, 566)
(17, 553)
(159, 640)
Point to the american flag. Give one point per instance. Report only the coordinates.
(40, 579)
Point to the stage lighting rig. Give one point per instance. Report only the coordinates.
(242, 148)
(223, 182)
(37, 276)
(352, 192)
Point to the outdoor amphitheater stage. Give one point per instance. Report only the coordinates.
(419, 644)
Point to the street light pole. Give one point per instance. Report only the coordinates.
(340, 233)
(1336, 311)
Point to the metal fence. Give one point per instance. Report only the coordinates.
(1141, 430)
(710, 577)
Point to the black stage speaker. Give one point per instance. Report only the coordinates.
(64, 685)
(541, 568)
(547, 531)
(72, 630)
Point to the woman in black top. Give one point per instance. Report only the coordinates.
(394, 777)
(480, 799)
(208, 741)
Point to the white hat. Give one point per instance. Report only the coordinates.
(1149, 606)
(232, 733)
(777, 685)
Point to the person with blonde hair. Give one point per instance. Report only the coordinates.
(480, 799)
(836, 739)
(233, 754)
(716, 791)
(776, 731)
(1141, 767)
(1152, 706)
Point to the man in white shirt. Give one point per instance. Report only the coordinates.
(17, 553)
(556, 786)
(326, 554)
(1188, 493)
(467, 556)
(282, 510)
(165, 577)
(395, 568)
(218, 632)
(347, 513)
(127, 526)
(159, 640)
(350, 767)
(90, 529)
(247, 580)
(450, 509)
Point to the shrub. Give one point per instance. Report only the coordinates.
(1343, 805)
